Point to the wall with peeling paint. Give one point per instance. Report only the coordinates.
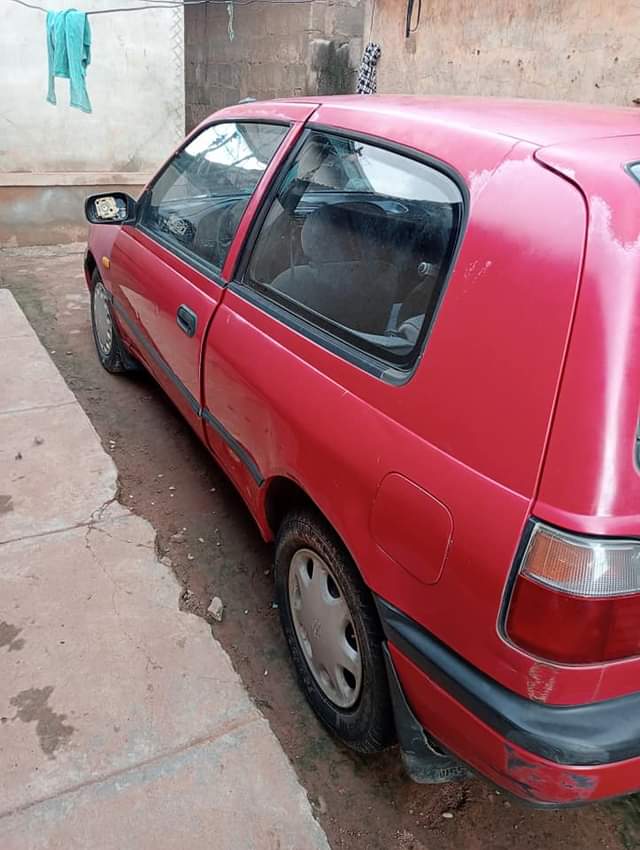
(583, 50)
(49, 153)
(289, 51)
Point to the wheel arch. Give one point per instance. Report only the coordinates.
(90, 266)
(284, 495)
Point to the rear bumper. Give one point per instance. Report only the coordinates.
(547, 755)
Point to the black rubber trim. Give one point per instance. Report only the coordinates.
(513, 577)
(593, 734)
(234, 445)
(425, 763)
(201, 412)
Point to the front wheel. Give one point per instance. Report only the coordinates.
(333, 633)
(109, 345)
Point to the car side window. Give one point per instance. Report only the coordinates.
(196, 203)
(358, 242)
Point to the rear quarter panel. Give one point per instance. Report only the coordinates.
(590, 482)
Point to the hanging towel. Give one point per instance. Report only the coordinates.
(69, 52)
(367, 82)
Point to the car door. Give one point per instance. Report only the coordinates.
(166, 271)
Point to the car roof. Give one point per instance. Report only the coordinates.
(541, 122)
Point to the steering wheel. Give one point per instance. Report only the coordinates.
(180, 228)
(227, 226)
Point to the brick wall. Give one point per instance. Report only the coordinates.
(277, 51)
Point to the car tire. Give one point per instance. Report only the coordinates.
(111, 351)
(362, 721)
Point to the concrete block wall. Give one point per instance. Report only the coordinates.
(277, 51)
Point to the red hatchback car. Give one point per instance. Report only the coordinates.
(409, 331)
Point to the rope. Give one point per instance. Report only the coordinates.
(172, 4)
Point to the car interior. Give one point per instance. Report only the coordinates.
(198, 201)
(367, 264)
(346, 257)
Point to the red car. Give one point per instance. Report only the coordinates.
(409, 331)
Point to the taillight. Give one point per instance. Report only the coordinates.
(576, 600)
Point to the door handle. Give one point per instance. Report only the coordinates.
(187, 320)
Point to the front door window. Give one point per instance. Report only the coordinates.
(196, 203)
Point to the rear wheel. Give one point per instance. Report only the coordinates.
(333, 633)
(109, 345)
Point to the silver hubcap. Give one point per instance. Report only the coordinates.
(324, 628)
(102, 320)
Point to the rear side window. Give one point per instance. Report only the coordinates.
(634, 170)
(358, 242)
(196, 203)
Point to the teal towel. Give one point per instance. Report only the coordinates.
(69, 52)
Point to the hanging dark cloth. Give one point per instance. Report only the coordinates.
(367, 82)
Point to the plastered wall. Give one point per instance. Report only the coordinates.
(584, 50)
(48, 153)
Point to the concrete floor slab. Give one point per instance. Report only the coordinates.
(12, 321)
(203, 797)
(122, 722)
(99, 670)
(54, 472)
(30, 380)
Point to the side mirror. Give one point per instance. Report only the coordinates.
(116, 208)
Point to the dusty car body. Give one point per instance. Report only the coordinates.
(408, 330)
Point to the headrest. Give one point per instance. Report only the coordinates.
(328, 236)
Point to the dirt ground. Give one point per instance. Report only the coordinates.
(169, 478)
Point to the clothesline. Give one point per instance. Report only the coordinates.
(172, 4)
